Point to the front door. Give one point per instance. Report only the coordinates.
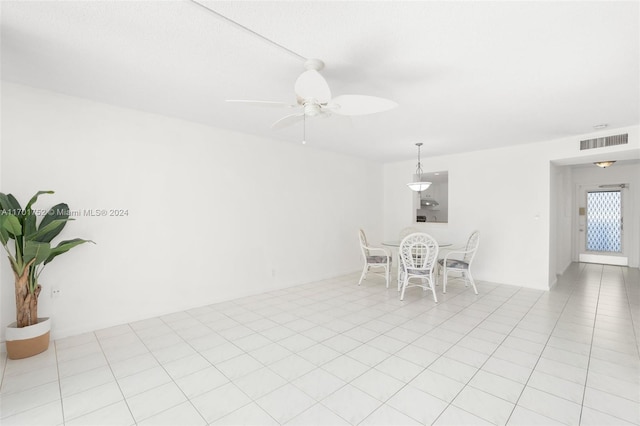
(601, 234)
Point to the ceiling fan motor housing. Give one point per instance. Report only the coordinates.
(312, 108)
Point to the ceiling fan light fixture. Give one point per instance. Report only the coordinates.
(419, 185)
(311, 109)
(604, 164)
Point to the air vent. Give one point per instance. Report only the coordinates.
(606, 141)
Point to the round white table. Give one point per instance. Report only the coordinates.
(396, 243)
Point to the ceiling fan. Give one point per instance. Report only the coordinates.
(314, 98)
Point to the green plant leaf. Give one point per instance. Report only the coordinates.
(12, 209)
(64, 247)
(30, 224)
(8, 202)
(4, 234)
(35, 198)
(12, 225)
(58, 213)
(4, 202)
(46, 233)
(36, 250)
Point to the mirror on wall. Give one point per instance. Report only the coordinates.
(432, 205)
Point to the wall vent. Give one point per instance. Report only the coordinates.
(606, 141)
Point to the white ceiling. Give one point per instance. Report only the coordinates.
(467, 75)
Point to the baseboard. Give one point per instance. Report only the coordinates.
(563, 270)
(603, 259)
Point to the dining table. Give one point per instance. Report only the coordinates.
(396, 244)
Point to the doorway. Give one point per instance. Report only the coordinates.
(601, 234)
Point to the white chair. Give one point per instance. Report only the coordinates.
(403, 233)
(374, 257)
(418, 252)
(460, 261)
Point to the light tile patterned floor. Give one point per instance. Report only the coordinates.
(335, 353)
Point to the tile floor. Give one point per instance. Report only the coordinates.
(333, 353)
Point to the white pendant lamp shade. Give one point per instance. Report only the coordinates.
(419, 185)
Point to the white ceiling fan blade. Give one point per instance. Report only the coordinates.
(288, 120)
(275, 104)
(359, 105)
(311, 85)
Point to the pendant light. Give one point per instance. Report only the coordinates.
(419, 185)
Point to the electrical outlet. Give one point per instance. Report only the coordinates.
(55, 292)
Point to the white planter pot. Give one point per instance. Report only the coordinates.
(28, 341)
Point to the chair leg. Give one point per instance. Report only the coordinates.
(387, 273)
(405, 281)
(473, 284)
(433, 289)
(364, 272)
(399, 272)
(444, 280)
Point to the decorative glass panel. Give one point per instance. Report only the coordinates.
(604, 221)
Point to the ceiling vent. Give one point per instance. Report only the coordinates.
(606, 141)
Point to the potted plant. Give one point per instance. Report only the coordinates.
(31, 251)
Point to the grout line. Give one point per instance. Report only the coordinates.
(452, 344)
(390, 355)
(115, 379)
(633, 328)
(55, 351)
(573, 287)
(593, 332)
(161, 365)
(489, 357)
(382, 304)
(4, 367)
(361, 344)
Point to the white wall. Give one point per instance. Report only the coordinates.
(483, 195)
(554, 188)
(212, 213)
(561, 209)
(505, 193)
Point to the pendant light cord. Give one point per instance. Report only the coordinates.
(419, 168)
(249, 30)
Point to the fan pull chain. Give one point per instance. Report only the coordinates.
(304, 129)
